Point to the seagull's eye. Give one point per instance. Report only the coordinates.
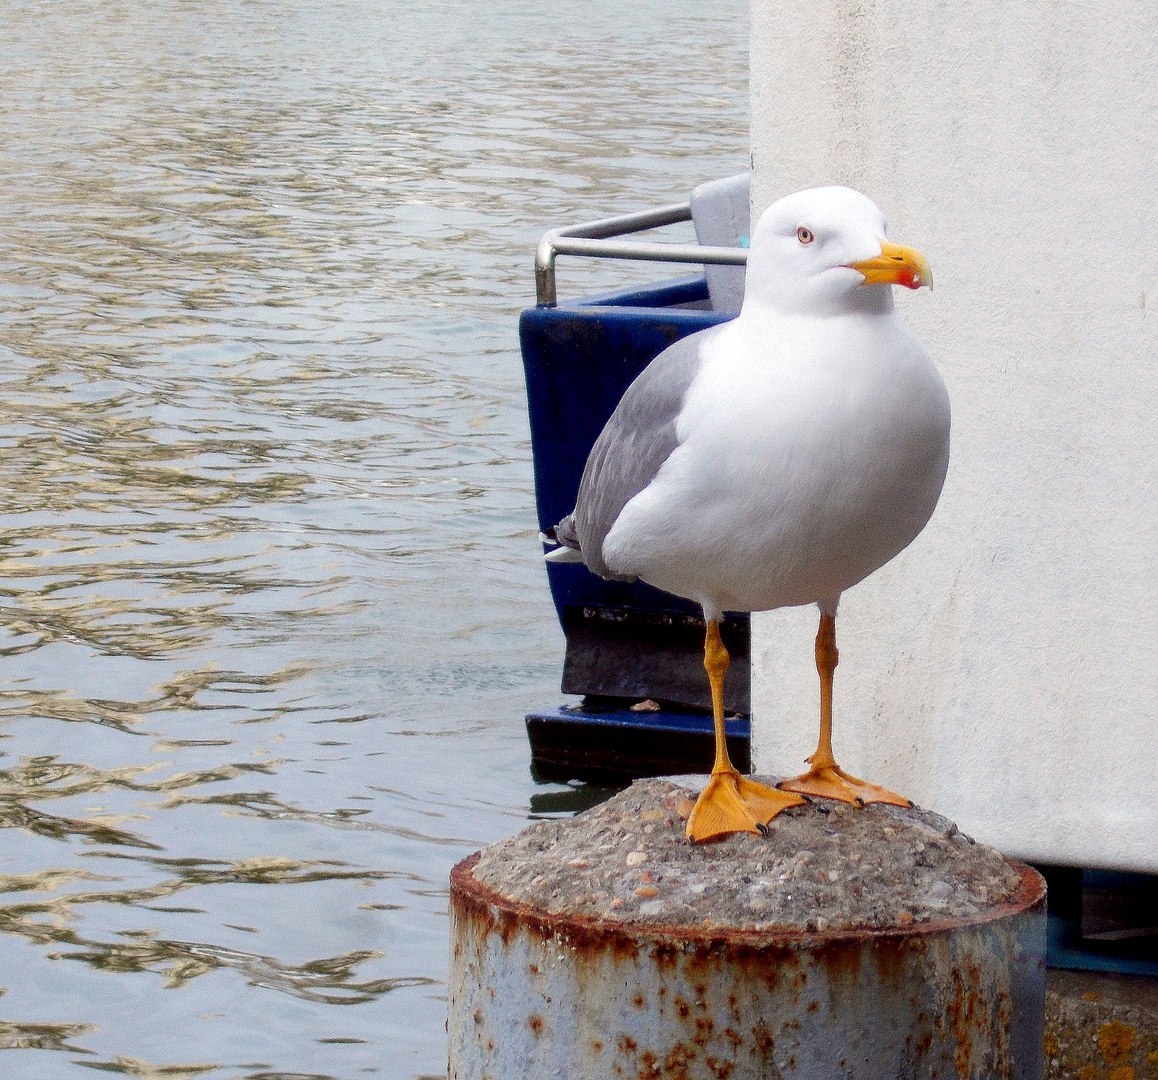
(804, 235)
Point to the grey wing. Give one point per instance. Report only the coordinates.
(636, 441)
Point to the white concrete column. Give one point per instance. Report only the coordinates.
(1004, 669)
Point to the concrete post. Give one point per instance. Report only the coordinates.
(1004, 669)
(606, 947)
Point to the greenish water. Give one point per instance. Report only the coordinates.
(271, 606)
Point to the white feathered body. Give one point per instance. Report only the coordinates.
(811, 450)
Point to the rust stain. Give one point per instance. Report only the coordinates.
(965, 1011)
(813, 1006)
(627, 1044)
(721, 1070)
(763, 1042)
(704, 1029)
(1115, 1040)
(639, 1001)
(623, 950)
(478, 1016)
(678, 1058)
(682, 1008)
(648, 1067)
(534, 969)
(597, 1046)
(1004, 1010)
(535, 1022)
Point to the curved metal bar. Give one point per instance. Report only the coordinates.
(592, 238)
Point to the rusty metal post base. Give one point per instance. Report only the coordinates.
(536, 996)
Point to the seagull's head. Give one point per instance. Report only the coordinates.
(823, 252)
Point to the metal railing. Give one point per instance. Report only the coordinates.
(592, 239)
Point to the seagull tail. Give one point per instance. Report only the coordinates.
(564, 554)
(562, 534)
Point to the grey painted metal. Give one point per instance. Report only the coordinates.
(548, 997)
(593, 238)
(721, 214)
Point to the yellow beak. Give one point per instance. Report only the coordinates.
(896, 265)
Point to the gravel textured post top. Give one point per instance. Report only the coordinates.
(822, 867)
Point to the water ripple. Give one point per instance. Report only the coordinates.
(271, 608)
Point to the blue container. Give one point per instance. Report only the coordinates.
(625, 642)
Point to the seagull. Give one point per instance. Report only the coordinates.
(775, 461)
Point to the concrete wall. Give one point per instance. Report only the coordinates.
(1004, 669)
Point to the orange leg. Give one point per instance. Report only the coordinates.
(731, 802)
(826, 778)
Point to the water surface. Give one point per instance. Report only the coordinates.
(271, 608)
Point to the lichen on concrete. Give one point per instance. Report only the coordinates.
(824, 866)
(1100, 1026)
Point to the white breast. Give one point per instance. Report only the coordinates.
(811, 452)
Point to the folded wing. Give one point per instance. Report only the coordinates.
(636, 441)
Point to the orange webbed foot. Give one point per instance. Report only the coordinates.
(732, 803)
(832, 782)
